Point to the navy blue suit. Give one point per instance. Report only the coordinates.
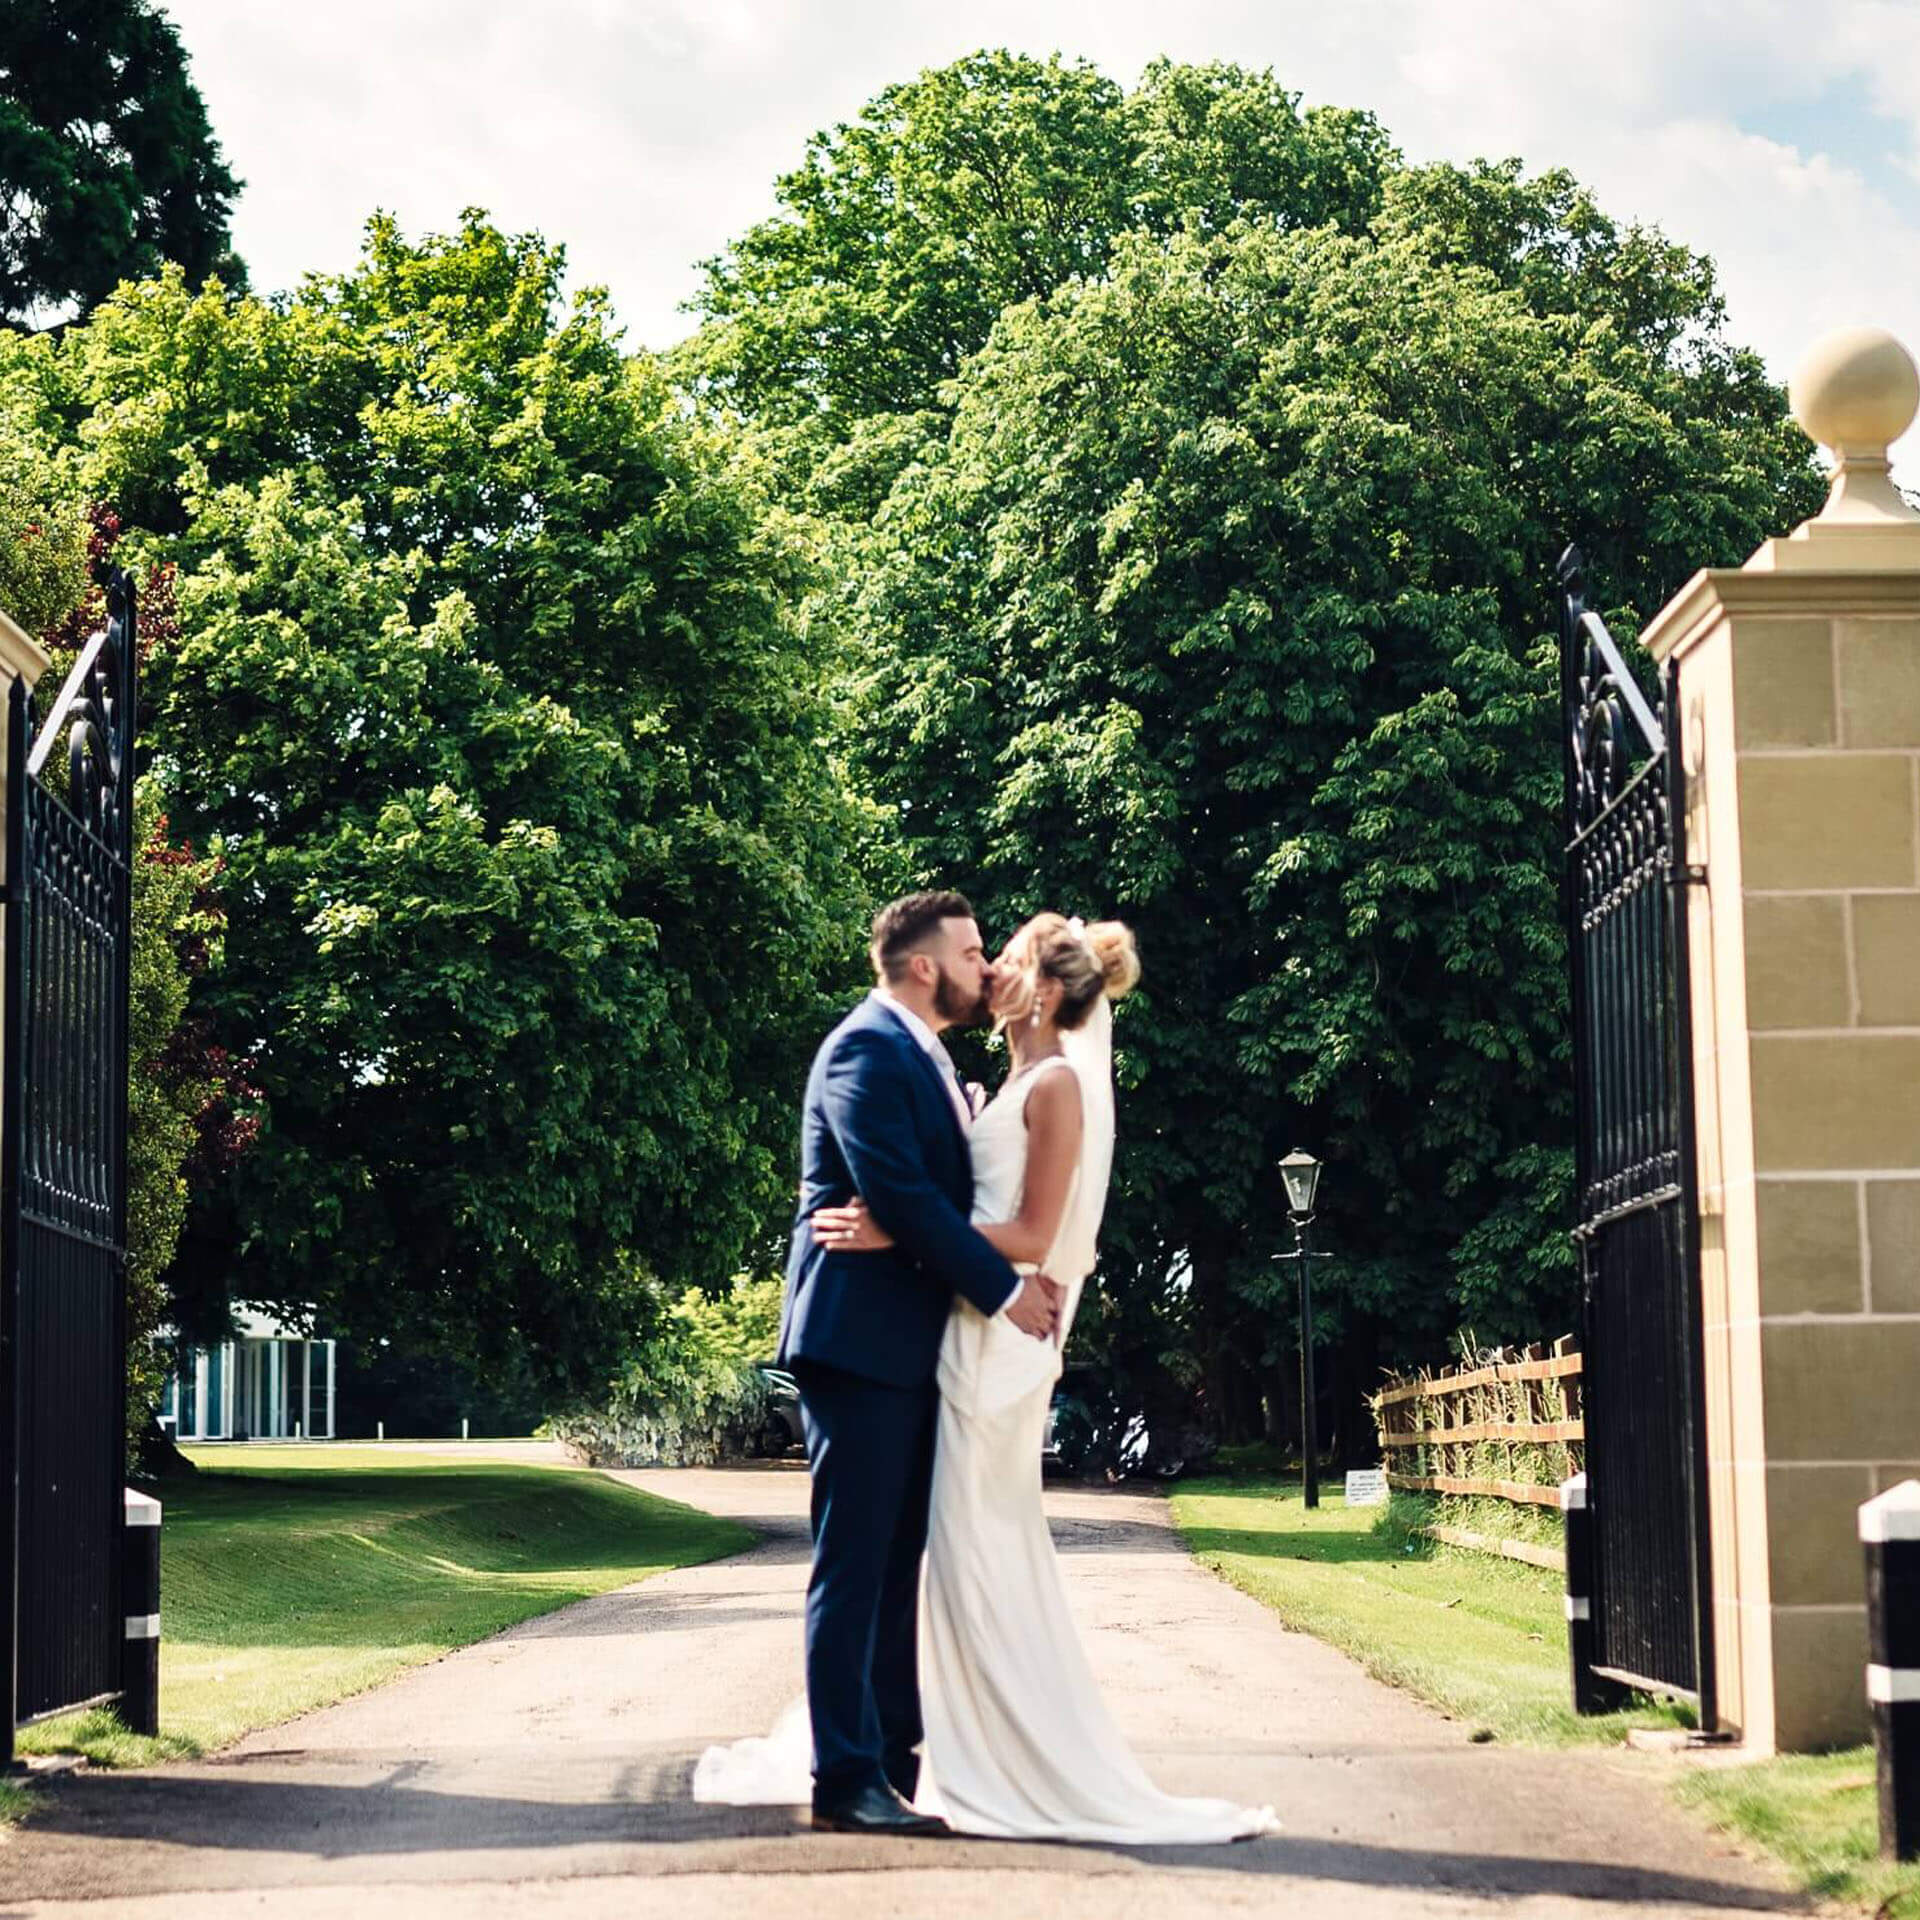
(861, 1332)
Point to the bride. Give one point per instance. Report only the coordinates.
(1019, 1742)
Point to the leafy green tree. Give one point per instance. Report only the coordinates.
(171, 1083)
(903, 235)
(740, 1323)
(489, 697)
(1192, 470)
(43, 550)
(108, 165)
(1221, 606)
(688, 1391)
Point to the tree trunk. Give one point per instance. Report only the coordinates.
(1232, 1404)
(1356, 1374)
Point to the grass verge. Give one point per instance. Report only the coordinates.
(1485, 1641)
(1491, 1519)
(1482, 1639)
(1815, 1811)
(294, 1578)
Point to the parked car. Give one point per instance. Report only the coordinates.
(782, 1429)
(1090, 1435)
(1083, 1435)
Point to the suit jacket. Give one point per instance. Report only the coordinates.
(879, 1122)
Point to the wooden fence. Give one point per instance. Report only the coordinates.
(1508, 1427)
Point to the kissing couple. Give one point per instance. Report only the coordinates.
(937, 1261)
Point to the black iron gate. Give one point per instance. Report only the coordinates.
(63, 1180)
(1638, 1215)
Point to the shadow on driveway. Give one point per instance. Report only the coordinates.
(340, 1825)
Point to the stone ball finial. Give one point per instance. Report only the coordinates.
(1856, 391)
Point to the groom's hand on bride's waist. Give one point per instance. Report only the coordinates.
(849, 1229)
(1035, 1307)
(1036, 1304)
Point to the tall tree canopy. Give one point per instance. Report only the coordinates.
(489, 698)
(1208, 584)
(108, 166)
(1171, 479)
(903, 235)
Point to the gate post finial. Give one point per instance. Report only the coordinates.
(1856, 391)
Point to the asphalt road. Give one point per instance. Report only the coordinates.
(545, 1772)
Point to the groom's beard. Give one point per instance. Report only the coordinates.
(956, 1008)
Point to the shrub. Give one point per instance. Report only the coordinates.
(691, 1393)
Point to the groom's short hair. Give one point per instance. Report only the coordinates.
(903, 925)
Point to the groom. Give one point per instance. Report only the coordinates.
(886, 1118)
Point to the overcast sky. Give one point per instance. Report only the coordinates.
(1781, 136)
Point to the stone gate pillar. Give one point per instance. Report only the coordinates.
(1799, 709)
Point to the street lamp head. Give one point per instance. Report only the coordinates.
(1301, 1172)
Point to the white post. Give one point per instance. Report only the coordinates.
(380, 1430)
(463, 1426)
(140, 1603)
(1890, 1531)
(330, 1415)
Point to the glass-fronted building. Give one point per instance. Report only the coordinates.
(267, 1383)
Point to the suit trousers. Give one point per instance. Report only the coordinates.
(870, 1449)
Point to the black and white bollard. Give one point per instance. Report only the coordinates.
(140, 1602)
(1890, 1531)
(1591, 1693)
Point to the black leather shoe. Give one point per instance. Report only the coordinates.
(871, 1809)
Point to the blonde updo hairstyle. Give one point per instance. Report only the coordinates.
(1100, 960)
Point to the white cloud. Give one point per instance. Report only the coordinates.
(645, 133)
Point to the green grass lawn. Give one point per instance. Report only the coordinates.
(1816, 1811)
(295, 1577)
(1485, 1640)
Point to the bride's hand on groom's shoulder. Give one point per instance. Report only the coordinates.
(849, 1229)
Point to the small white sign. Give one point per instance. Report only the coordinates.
(1367, 1489)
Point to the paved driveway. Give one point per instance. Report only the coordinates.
(544, 1772)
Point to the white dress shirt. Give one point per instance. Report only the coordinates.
(930, 1043)
(943, 1065)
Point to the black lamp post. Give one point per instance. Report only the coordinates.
(1301, 1172)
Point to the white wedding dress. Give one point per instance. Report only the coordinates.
(1019, 1743)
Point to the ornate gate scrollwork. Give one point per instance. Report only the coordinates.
(94, 711)
(63, 1180)
(1636, 1201)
